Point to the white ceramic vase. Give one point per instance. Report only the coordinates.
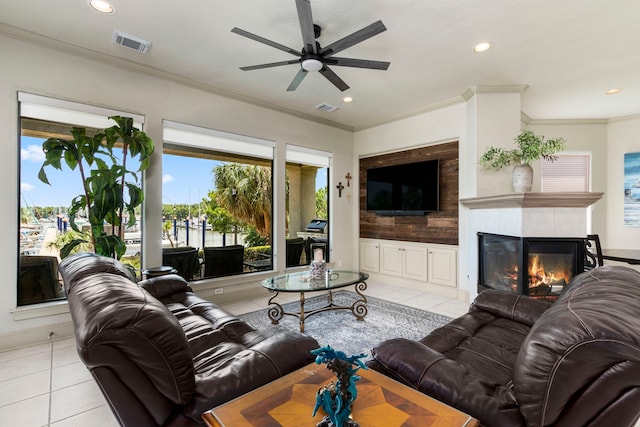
(522, 177)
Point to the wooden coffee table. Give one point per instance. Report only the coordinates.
(289, 402)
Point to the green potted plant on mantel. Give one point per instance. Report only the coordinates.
(111, 191)
(530, 147)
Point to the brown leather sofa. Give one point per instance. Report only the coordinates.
(514, 361)
(161, 355)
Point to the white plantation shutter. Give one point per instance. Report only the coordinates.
(570, 172)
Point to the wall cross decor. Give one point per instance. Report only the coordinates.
(340, 187)
(348, 176)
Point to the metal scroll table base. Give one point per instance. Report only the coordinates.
(358, 308)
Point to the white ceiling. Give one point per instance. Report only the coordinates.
(567, 53)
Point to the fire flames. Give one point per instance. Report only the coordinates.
(538, 276)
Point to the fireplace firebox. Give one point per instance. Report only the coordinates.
(539, 267)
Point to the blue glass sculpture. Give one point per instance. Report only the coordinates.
(336, 397)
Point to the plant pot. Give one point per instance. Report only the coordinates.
(522, 178)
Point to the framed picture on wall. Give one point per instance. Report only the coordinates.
(632, 189)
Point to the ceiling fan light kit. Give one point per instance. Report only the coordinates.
(312, 64)
(313, 57)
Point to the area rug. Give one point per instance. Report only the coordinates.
(343, 332)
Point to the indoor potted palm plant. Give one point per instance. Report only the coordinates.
(111, 192)
(530, 147)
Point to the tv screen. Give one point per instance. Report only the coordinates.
(409, 189)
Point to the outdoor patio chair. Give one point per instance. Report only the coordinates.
(183, 259)
(38, 280)
(223, 260)
(294, 251)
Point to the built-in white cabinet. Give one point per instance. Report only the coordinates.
(404, 260)
(423, 262)
(369, 256)
(443, 265)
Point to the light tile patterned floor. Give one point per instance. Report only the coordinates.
(46, 385)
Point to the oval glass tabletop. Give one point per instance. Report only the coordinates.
(300, 281)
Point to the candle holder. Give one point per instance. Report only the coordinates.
(317, 266)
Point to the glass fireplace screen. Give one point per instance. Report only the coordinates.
(534, 266)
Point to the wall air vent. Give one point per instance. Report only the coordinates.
(327, 108)
(132, 42)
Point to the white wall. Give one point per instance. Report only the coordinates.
(623, 137)
(42, 71)
(582, 137)
(434, 127)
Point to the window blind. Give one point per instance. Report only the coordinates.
(211, 139)
(72, 113)
(570, 172)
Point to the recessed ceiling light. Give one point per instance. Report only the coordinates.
(481, 47)
(347, 99)
(613, 91)
(102, 6)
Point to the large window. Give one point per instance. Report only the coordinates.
(307, 204)
(44, 209)
(217, 202)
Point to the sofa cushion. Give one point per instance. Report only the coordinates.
(84, 264)
(468, 363)
(589, 340)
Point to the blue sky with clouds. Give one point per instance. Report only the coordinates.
(179, 187)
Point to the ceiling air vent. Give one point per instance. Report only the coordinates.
(132, 42)
(327, 108)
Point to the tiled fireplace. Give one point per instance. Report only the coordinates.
(536, 266)
(532, 224)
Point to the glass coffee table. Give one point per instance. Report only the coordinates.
(301, 282)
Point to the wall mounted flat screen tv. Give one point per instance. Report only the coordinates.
(409, 189)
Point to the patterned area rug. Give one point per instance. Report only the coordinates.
(343, 332)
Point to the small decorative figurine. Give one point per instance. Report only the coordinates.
(336, 397)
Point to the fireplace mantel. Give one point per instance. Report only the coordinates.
(533, 200)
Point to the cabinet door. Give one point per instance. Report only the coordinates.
(391, 259)
(369, 256)
(414, 263)
(443, 266)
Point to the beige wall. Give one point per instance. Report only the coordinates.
(622, 136)
(472, 123)
(42, 71)
(582, 137)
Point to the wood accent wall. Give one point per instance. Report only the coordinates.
(434, 227)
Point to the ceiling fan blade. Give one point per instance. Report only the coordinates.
(358, 63)
(266, 41)
(333, 78)
(297, 80)
(354, 38)
(306, 25)
(269, 65)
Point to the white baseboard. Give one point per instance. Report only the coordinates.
(37, 335)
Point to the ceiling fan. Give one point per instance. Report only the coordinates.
(313, 57)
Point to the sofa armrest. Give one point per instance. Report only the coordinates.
(518, 308)
(163, 286)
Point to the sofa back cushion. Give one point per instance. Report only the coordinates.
(85, 264)
(582, 356)
(121, 327)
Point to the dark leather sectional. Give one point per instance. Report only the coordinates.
(161, 355)
(514, 361)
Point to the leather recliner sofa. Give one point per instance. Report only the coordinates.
(161, 355)
(515, 361)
